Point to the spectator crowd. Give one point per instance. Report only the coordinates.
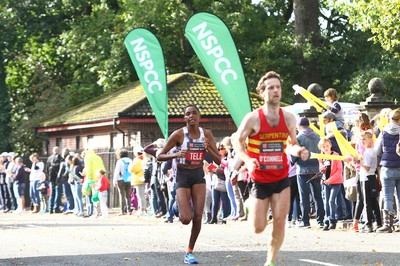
(331, 185)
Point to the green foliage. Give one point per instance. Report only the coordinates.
(85, 51)
(34, 72)
(379, 17)
(351, 60)
(166, 19)
(388, 71)
(29, 84)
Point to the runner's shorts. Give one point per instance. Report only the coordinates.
(265, 190)
(186, 178)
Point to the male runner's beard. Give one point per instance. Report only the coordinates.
(273, 102)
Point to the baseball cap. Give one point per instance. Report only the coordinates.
(160, 143)
(329, 115)
(138, 149)
(303, 121)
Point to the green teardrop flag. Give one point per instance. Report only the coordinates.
(213, 44)
(147, 57)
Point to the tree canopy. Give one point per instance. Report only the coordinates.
(59, 53)
(381, 18)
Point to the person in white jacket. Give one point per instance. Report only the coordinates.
(34, 180)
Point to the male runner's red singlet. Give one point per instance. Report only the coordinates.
(268, 146)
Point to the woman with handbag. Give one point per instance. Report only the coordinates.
(220, 200)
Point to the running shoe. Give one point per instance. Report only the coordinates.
(190, 259)
(303, 225)
(271, 264)
(355, 229)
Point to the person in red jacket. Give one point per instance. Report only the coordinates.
(332, 179)
(102, 186)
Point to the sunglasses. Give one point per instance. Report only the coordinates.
(221, 149)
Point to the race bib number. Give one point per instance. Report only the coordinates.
(195, 153)
(271, 155)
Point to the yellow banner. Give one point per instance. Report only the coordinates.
(326, 156)
(311, 98)
(316, 130)
(344, 144)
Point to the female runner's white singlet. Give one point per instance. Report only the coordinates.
(195, 148)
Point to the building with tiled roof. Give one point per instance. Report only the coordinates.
(125, 118)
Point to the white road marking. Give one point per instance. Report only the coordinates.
(318, 262)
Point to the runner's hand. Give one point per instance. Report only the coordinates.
(252, 164)
(206, 143)
(181, 153)
(304, 154)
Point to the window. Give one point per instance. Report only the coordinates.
(77, 143)
(90, 141)
(116, 140)
(58, 142)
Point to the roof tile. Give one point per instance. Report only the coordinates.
(130, 101)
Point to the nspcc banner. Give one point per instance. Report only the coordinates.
(147, 57)
(213, 44)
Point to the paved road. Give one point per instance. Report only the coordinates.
(33, 239)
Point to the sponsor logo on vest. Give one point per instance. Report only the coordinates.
(210, 43)
(143, 56)
(277, 135)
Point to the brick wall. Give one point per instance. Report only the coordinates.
(143, 134)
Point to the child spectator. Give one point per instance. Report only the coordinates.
(133, 200)
(43, 188)
(332, 98)
(208, 202)
(362, 124)
(19, 184)
(102, 186)
(369, 190)
(332, 180)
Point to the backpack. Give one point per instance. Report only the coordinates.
(126, 176)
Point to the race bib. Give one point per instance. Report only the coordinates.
(271, 155)
(195, 153)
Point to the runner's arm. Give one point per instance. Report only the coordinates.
(245, 129)
(294, 148)
(175, 139)
(211, 147)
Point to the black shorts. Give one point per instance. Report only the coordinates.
(186, 178)
(265, 190)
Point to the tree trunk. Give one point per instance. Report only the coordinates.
(188, 51)
(307, 32)
(5, 144)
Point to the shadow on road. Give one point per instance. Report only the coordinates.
(238, 258)
(63, 225)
